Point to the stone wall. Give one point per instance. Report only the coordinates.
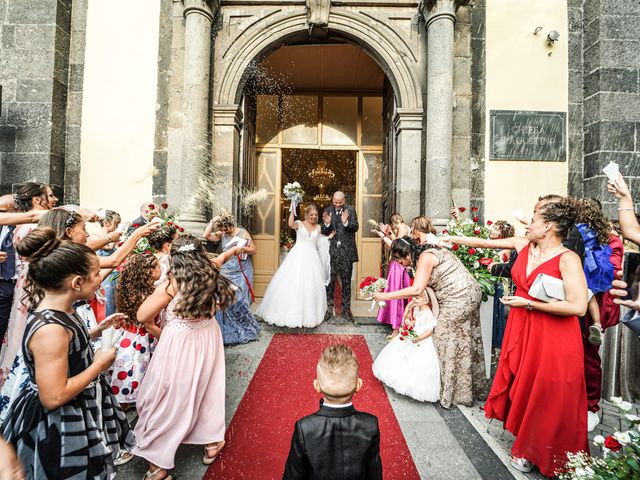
(575, 108)
(611, 95)
(34, 64)
(478, 105)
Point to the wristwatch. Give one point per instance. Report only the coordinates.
(529, 307)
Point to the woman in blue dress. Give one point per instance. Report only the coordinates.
(237, 322)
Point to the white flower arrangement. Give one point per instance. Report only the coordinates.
(189, 247)
(294, 193)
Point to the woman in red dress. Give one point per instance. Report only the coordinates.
(539, 389)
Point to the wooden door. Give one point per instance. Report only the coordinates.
(266, 223)
(369, 193)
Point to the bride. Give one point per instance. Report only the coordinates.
(296, 295)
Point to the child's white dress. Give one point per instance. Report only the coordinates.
(411, 369)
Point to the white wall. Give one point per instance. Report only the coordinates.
(119, 104)
(522, 76)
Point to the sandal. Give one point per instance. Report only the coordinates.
(207, 460)
(521, 464)
(595, 335)
(152, 475)
(124, 457)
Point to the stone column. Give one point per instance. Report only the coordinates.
(199, 15)
(408, 127)
(440, 17)
(227, 125)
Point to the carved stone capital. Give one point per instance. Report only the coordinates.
(318, 13)
(432, 10)
(227, 115)
(206, 8)
(408, 119)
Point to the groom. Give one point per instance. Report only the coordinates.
(341, 219)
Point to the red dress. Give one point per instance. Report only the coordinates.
(539, 389)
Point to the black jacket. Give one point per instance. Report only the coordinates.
(573, 242)
(343, 244)
(335, 444)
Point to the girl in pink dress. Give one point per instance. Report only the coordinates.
(181, 399)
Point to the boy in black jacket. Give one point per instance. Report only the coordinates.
(337, 442)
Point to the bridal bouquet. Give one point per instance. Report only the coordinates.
(294, 193)
(371, 285)
(406, 330)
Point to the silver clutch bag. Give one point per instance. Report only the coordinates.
(547, 288)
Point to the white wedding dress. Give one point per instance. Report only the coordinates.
(409, 368)
(296, 296)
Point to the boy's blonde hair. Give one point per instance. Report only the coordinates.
(337, 371)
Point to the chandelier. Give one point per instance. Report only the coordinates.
(321, 176)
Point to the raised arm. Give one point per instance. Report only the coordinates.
(626, 211)
(19, 218)
(116, 258)
(293, 225)
(512, 243)
(209, 233)
(352, 221)
(225, 256)
(326, 227)
(152, 307)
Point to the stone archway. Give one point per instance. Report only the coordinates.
(381, 42)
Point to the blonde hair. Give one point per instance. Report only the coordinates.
(309, 209)
(423, 225)
(337, 371)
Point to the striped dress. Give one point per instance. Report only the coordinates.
(78, 440)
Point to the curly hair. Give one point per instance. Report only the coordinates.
(505, 229)
(165, 234)
(562, 214)
(59, 220)
(226, 219)
(51, 261)
(590, 212)
(201, 286)
(135, 285)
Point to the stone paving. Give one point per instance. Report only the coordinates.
(445, 444)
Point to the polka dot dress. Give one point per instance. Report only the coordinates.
(132, 360)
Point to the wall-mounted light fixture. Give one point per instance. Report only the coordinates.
(537, 30)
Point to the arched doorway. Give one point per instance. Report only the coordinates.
(313, 113)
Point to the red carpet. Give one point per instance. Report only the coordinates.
(281, 392)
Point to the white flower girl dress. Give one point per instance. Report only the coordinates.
(409, 368)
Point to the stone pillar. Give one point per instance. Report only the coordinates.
(440, 17)
(199, 15)
(227, 125)
(408, 127)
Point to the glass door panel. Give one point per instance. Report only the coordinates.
(267, 223)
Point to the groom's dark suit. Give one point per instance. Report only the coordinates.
(343, 252)
(336, 444)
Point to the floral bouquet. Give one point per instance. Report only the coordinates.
(294, 193)
(406, 330)
(371, 285)
(286, 241)
(621, 452)
(474, 259)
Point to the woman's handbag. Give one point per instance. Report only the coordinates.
(547, 288)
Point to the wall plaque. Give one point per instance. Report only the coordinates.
(528, 135)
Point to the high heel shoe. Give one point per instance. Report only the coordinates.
(152, 475)
(207, 460)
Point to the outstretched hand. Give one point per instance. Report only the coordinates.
(326, 217)
(619, 187)
(345, 216)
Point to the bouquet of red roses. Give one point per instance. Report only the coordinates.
(371, 285)
(406, 330)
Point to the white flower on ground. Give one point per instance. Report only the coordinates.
(623, 437)
(598, 440)
(625, 406)
(632, 418)
(616, 400)
(580, 472)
